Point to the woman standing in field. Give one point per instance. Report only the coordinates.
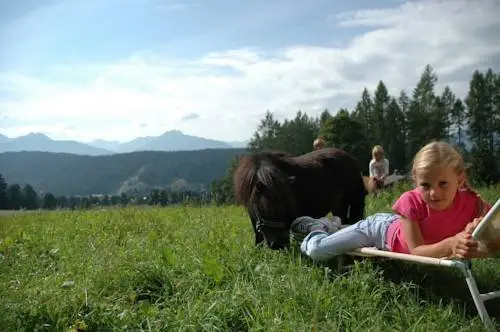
(436, 219)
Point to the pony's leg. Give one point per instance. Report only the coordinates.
(357, 203)
(340, 207)
(357, 207)
(344, 209)
(259, 238)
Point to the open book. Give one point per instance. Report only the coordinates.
(393, 178)
(489, 227)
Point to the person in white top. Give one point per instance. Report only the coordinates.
(379, 166)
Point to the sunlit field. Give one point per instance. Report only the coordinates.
(190, 268)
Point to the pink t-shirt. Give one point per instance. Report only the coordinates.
(435, 225)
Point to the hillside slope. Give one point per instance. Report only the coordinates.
(70, 174)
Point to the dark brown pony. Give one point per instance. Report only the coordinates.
(276, 188)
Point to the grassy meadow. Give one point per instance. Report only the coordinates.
(190, 268)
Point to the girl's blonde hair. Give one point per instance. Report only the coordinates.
(440, 154)
(377, 149)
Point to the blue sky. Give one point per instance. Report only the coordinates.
(116, 70)
(47, 32)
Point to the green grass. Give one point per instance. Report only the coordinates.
(196, 269)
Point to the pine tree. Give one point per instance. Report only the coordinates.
(4, 200)
(380, 106)
(419, 118)
(15, 196)
(325, 115)
(344, 132)
(266, 135)
(404, 105)
(363, 113)
(496, 118)
(482, 133)
(49, 201)
(30, 197)
(395, 146)
(296, 136)
(442, 114)
(458, 117)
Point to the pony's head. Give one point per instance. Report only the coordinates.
(264, 185)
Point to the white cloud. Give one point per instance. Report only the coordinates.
(231, 90)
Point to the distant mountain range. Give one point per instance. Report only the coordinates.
(173, 140)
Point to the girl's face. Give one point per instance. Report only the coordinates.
(439, 186)
(377, 156)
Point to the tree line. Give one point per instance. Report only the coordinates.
(15, 197)
(401, 124)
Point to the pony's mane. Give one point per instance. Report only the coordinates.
(258, 167)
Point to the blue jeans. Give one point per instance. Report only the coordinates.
(369, 232)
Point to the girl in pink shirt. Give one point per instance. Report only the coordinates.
(436, 219)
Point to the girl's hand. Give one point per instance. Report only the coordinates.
(472, 225)
(463, 245)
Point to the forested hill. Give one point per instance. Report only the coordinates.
(70, 174)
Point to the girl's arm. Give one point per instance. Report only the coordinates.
(370, 167)
(386, 168)
(458, 246)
